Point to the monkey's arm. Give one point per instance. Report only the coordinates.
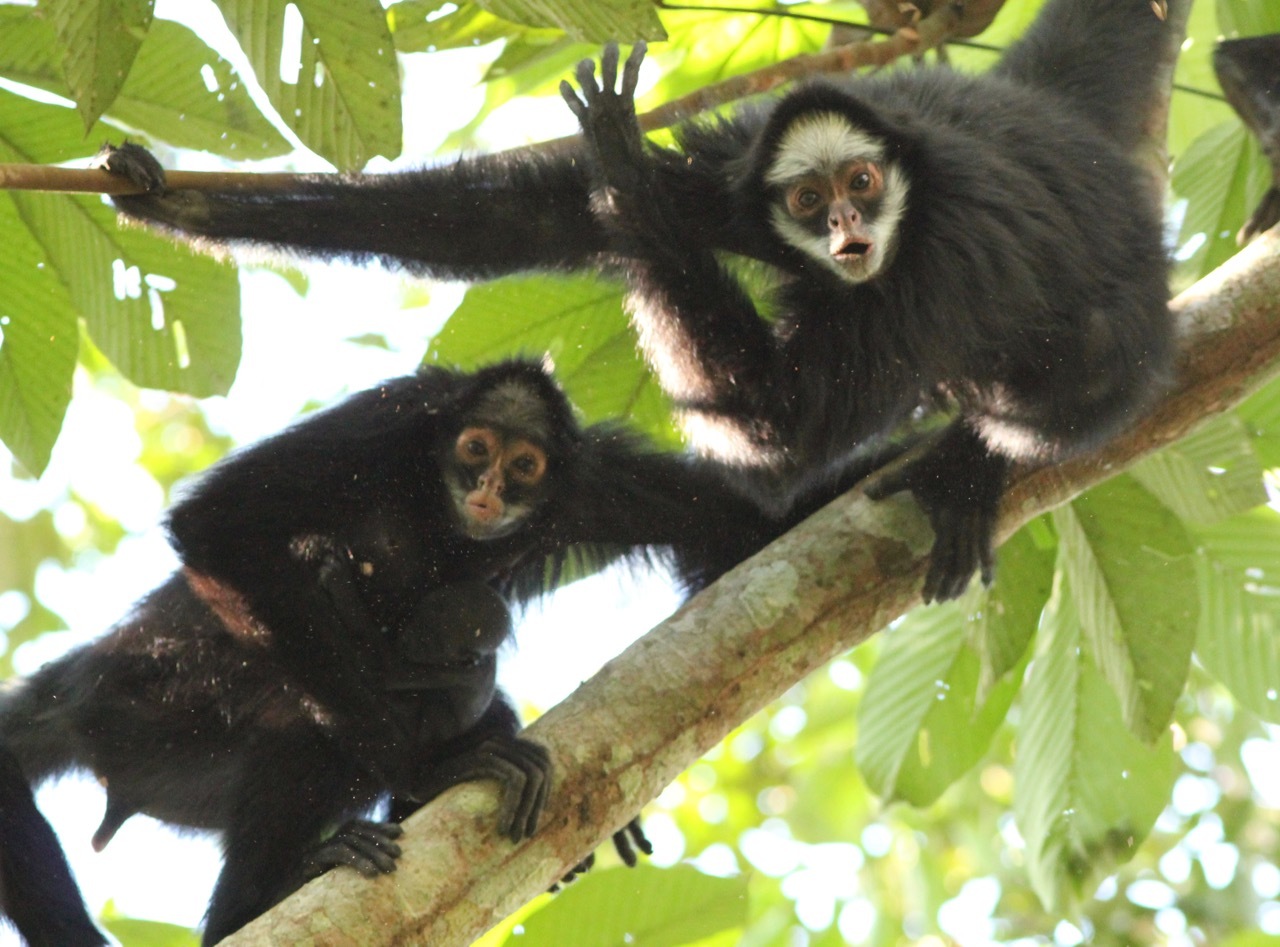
(475, 219)
(698, 327)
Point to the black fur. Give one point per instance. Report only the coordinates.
(330, 641)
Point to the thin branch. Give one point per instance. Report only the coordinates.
(818, 591)
(931, 31)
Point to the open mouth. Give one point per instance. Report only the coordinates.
(853, 249)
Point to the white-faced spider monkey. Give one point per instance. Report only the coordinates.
(330, 639)
(978, 243)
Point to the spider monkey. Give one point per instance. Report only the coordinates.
(330, 638)
(977, 243)
(1249, 72)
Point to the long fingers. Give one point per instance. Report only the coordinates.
(586, 76)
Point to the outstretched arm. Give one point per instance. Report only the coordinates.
(698, 327)
(473, 219)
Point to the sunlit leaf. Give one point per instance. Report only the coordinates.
(1221, 176)
(1208, 475)
(594, 20)
(643, 905)
(99, 40)
(1088, 791)
(579, 325)
(1239, 635)
(1133, 578)
(1009, 614)
(343, 98)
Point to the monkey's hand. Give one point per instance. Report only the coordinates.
(368, 847)
(614, 142)
(133, 162)
(959, 483)
(521, 767)
(181, 209)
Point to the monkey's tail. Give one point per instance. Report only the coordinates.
(37, 891)
(1101, 56)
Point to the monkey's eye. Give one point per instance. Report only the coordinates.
(807, 198)
(528, 463)
(861, 181)
(475, 445)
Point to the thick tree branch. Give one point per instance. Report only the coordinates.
(818, 591)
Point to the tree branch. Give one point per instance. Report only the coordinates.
(829, 584)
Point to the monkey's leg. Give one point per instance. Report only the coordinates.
(294, 787)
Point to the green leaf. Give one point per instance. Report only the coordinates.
(165, 93)
(184, 93)
(165, 316)
(595, 20)
(140, 933)
(1133, 578)
(645, 906)
(1005, 624)
(419, 26)
(576, 323)
(1219, 175)
(920, 723)
(1247, 18)
(1087, 791)
(38, 344)
(713, 45)
(908, 678)
(344, 99)
(1238, 641)
(1207, 476)
(1261, 416)
(99, 40)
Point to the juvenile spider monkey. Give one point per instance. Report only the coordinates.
(330, 638)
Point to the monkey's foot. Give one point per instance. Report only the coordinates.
(368, 847)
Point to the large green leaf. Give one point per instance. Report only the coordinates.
(1134, 581)
(1247, 17)
(167, 317)
(1006, 621)
(920, 723)
(1261, 416)
(1207, 476)
(167, 92)
(578, 324)
(1087, 791)
(644, 905)
(38, 344)
(98, 41)
(343, 100)
(1222, 176)
(1239, 636)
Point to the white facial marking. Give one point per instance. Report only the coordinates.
(818, 144)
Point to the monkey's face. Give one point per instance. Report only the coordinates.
(835, 198)
(496, 480)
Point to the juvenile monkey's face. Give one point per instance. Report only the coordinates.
(836, 198)
(496, 480)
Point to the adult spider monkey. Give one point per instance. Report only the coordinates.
(311, 658)
(982, 242)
